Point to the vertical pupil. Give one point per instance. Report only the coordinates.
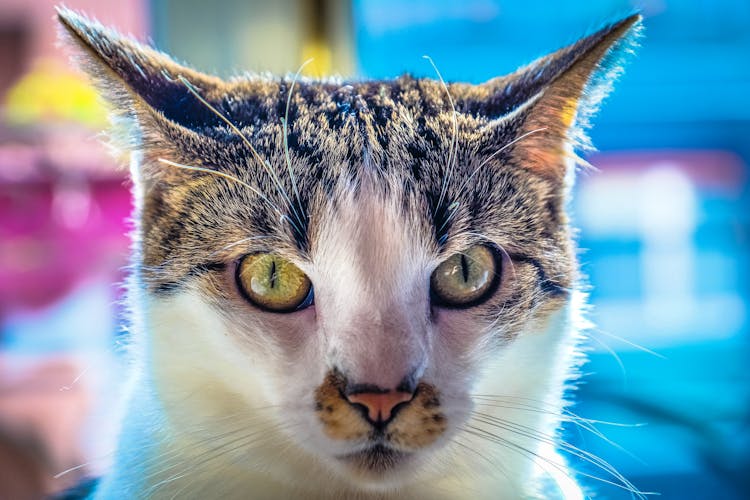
(273, 273)
(464, 268)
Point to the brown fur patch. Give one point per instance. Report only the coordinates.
(340, 420)
(420, 423)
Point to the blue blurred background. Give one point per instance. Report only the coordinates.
(664, 220)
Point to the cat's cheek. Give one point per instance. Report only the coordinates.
(266, 331)
(288, 331)
(457, 331)
(286, 350)
(191, 348)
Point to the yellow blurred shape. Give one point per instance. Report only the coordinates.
(51, 93)
(321, 59)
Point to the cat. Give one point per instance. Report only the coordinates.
(350, 289)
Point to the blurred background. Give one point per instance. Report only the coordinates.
(664, 221)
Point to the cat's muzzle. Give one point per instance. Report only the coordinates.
(388, 425)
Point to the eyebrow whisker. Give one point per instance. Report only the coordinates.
(263, 163)
(453, 151)
(285, 124)
(231, 178)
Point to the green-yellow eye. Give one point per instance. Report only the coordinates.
(273, 283)
(466, 278)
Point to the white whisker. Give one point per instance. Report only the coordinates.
(452, 152)
(506, 146)
(260, 160)
(229, 177)
(492, 437)
(285, 123)
(632, 344)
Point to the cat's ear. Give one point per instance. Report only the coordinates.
(139, 81)
(545, 107)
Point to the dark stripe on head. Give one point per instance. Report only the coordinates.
(441, 212)
(300, 225)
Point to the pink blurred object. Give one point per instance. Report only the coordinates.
(59, 223)
(709, 169)
(42, 409)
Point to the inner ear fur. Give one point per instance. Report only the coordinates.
(548, 104)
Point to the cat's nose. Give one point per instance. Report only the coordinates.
(380, 405)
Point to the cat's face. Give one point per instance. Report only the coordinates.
(340, 261)
(405, 294)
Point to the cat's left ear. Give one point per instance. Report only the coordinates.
(544, 108)
(138, 81)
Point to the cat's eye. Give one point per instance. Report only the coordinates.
(465, 279)
(273, 283)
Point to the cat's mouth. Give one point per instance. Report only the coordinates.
(375, 460)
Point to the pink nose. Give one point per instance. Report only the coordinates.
(379, 404)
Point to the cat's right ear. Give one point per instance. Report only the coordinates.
(138, 81)
(544, 109)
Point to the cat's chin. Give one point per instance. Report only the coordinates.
(378, 467)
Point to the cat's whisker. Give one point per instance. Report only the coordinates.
(521, 400)
(246, 441)
(219, 174)
(580, 424)
(566, 414)
(178, 492)
(453, 149)
(167, 457)
(162, 457)
(285, 124)
(630, 343)
(506, 443)
(267, 433)
(74, 468)
(190, 485)
(536, 434)
(493, 155)
(231, 178)
(476, 452)
(519, 429)
(452, 211)
(494, 465)
(243, 137)
(244, 425)
(614, 355)
(509, 260)
(585, 424)
(623, 483)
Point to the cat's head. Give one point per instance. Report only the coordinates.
(341, 263)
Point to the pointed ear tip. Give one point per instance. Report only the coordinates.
(627, 24)
(80, 26)
(68, 18)
(73, 24)
(632, 19)
(628, 29)
(78, 30)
